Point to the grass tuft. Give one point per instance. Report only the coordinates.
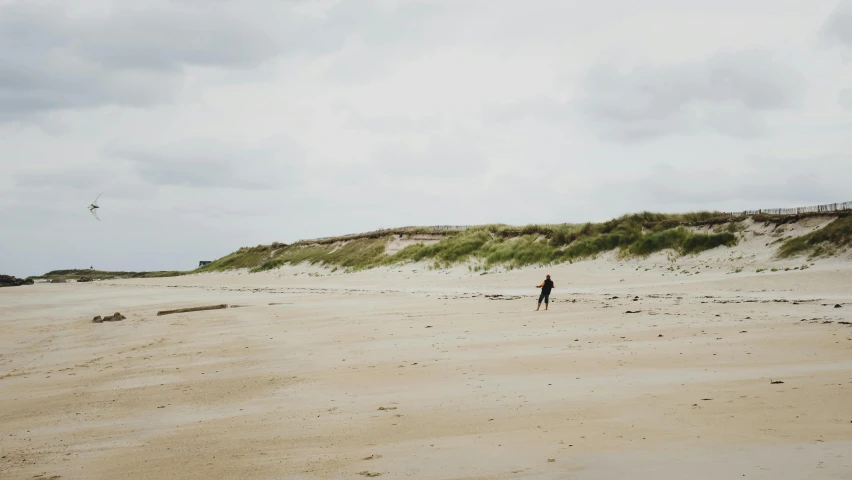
(820, 243)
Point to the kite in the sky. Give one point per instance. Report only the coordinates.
(94, 207)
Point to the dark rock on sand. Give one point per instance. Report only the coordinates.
(84, 279)
(116, 317)
(10, 281)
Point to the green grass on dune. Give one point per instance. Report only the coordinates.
(681, 240)
(822, 242)
(450, 249)
(294, 255)
(487, 244)
(355, 254)
(632, 235)
(518, 252)
(245, 257)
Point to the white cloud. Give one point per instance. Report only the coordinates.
(194, 163)
(442, 157)
(727, 93)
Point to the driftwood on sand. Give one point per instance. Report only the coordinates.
(192, 309)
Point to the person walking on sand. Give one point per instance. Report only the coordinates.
(546, 286)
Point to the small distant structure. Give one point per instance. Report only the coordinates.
(204, 262)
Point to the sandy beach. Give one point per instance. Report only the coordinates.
(305, 240)
(641, 369)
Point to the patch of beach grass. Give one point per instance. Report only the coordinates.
(819, 243)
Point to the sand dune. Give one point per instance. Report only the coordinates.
(438, 374)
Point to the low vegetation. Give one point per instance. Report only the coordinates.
(820, 243)
(490, 245)
(561, 244)
(245, 257)
(355, 254)
(76, 274)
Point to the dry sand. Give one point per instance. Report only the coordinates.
(411, 373)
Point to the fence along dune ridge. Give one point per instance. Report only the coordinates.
(825, 208)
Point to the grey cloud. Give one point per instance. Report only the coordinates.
(76, 178)
(845, 99)
(759, 183)
(368, 40)
(727, 93)
(755, 78)
(209, 33)
(393, 24)
(136, 57)
(170, 39)
(838, 26)
(51, 61)
(117, 180)
(377, 24)
(543, 108)
(391, 124)
(731, 119)
(209, 164)
(444, 157)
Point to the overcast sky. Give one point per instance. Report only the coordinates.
(214, 124)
